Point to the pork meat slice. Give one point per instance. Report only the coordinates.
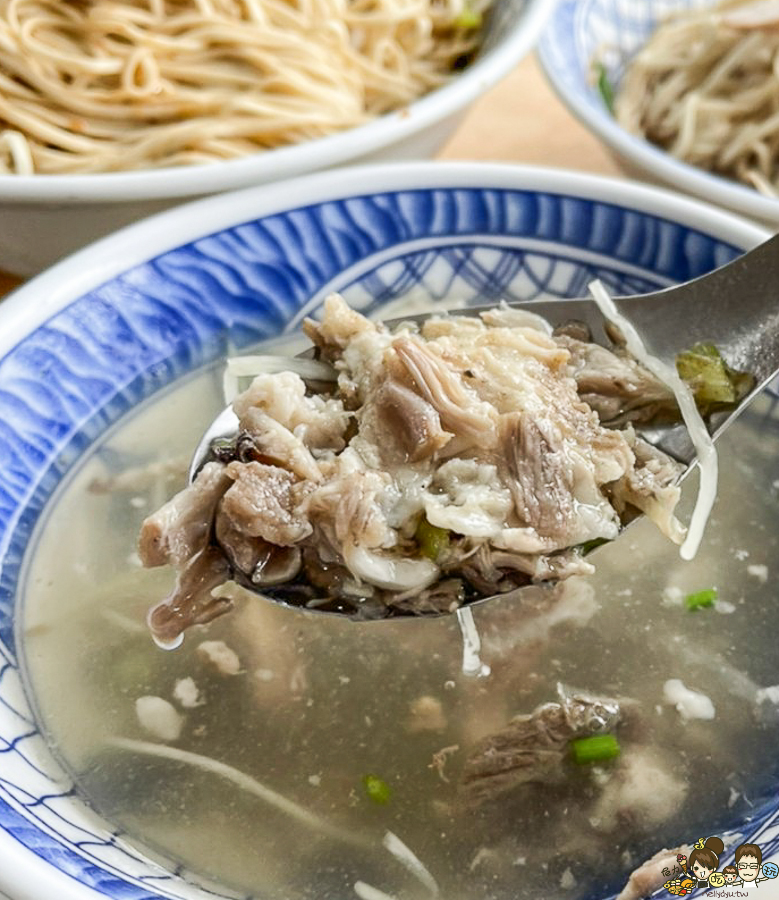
(649, 877)
(541, 482)
(178, 530)
(402, 424)
(263, 502)
(557, 487)
(278, 445)
(615, 385)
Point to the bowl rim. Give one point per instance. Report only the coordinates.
(266, 166)
(32, 304)
(639, 151)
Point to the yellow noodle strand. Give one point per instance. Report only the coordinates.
(109, 85)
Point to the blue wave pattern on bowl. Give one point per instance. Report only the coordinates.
(119, 344)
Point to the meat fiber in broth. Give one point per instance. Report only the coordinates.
(374, 729)
(465, 460)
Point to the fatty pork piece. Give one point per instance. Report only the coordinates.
(534, 748)
(450, 463)
(611, 382)
(649, 877)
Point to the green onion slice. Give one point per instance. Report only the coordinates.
(468, 18)
(701, 599)
(598, 748)
(377, 789)
(433, 541)
(605, 88)
(710, 378)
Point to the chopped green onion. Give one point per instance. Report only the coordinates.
(468, 18)
(605, 88)
(589, 546)
(433, 541)
(597, 748)
(701, 599)
(710, 378)
(377, 789)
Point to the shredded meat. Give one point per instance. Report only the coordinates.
(461, 410)
(190, 602)
(317, 423)
(532, 748)
(339, 327)
(459, 461)
(651, 487)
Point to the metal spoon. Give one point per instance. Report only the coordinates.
(735, 307)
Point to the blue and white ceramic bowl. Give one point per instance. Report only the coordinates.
(583, 32)
(85, 343)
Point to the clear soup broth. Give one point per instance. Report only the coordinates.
(318, 704)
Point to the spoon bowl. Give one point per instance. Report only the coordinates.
(736, 308)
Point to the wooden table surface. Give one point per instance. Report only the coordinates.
(520, 120)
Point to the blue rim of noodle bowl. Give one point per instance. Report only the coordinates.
(86, 342)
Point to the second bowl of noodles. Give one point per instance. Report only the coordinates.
(109, 112)
(683, 91)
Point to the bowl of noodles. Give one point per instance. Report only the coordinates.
(112, 111)
(285, 753)
(684, 91)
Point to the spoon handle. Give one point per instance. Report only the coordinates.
(735, 307)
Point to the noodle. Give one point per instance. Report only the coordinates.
(472, 664)
(244, 782)
(706, 88)
(410, 861)
(110, 85)
(700, 437)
